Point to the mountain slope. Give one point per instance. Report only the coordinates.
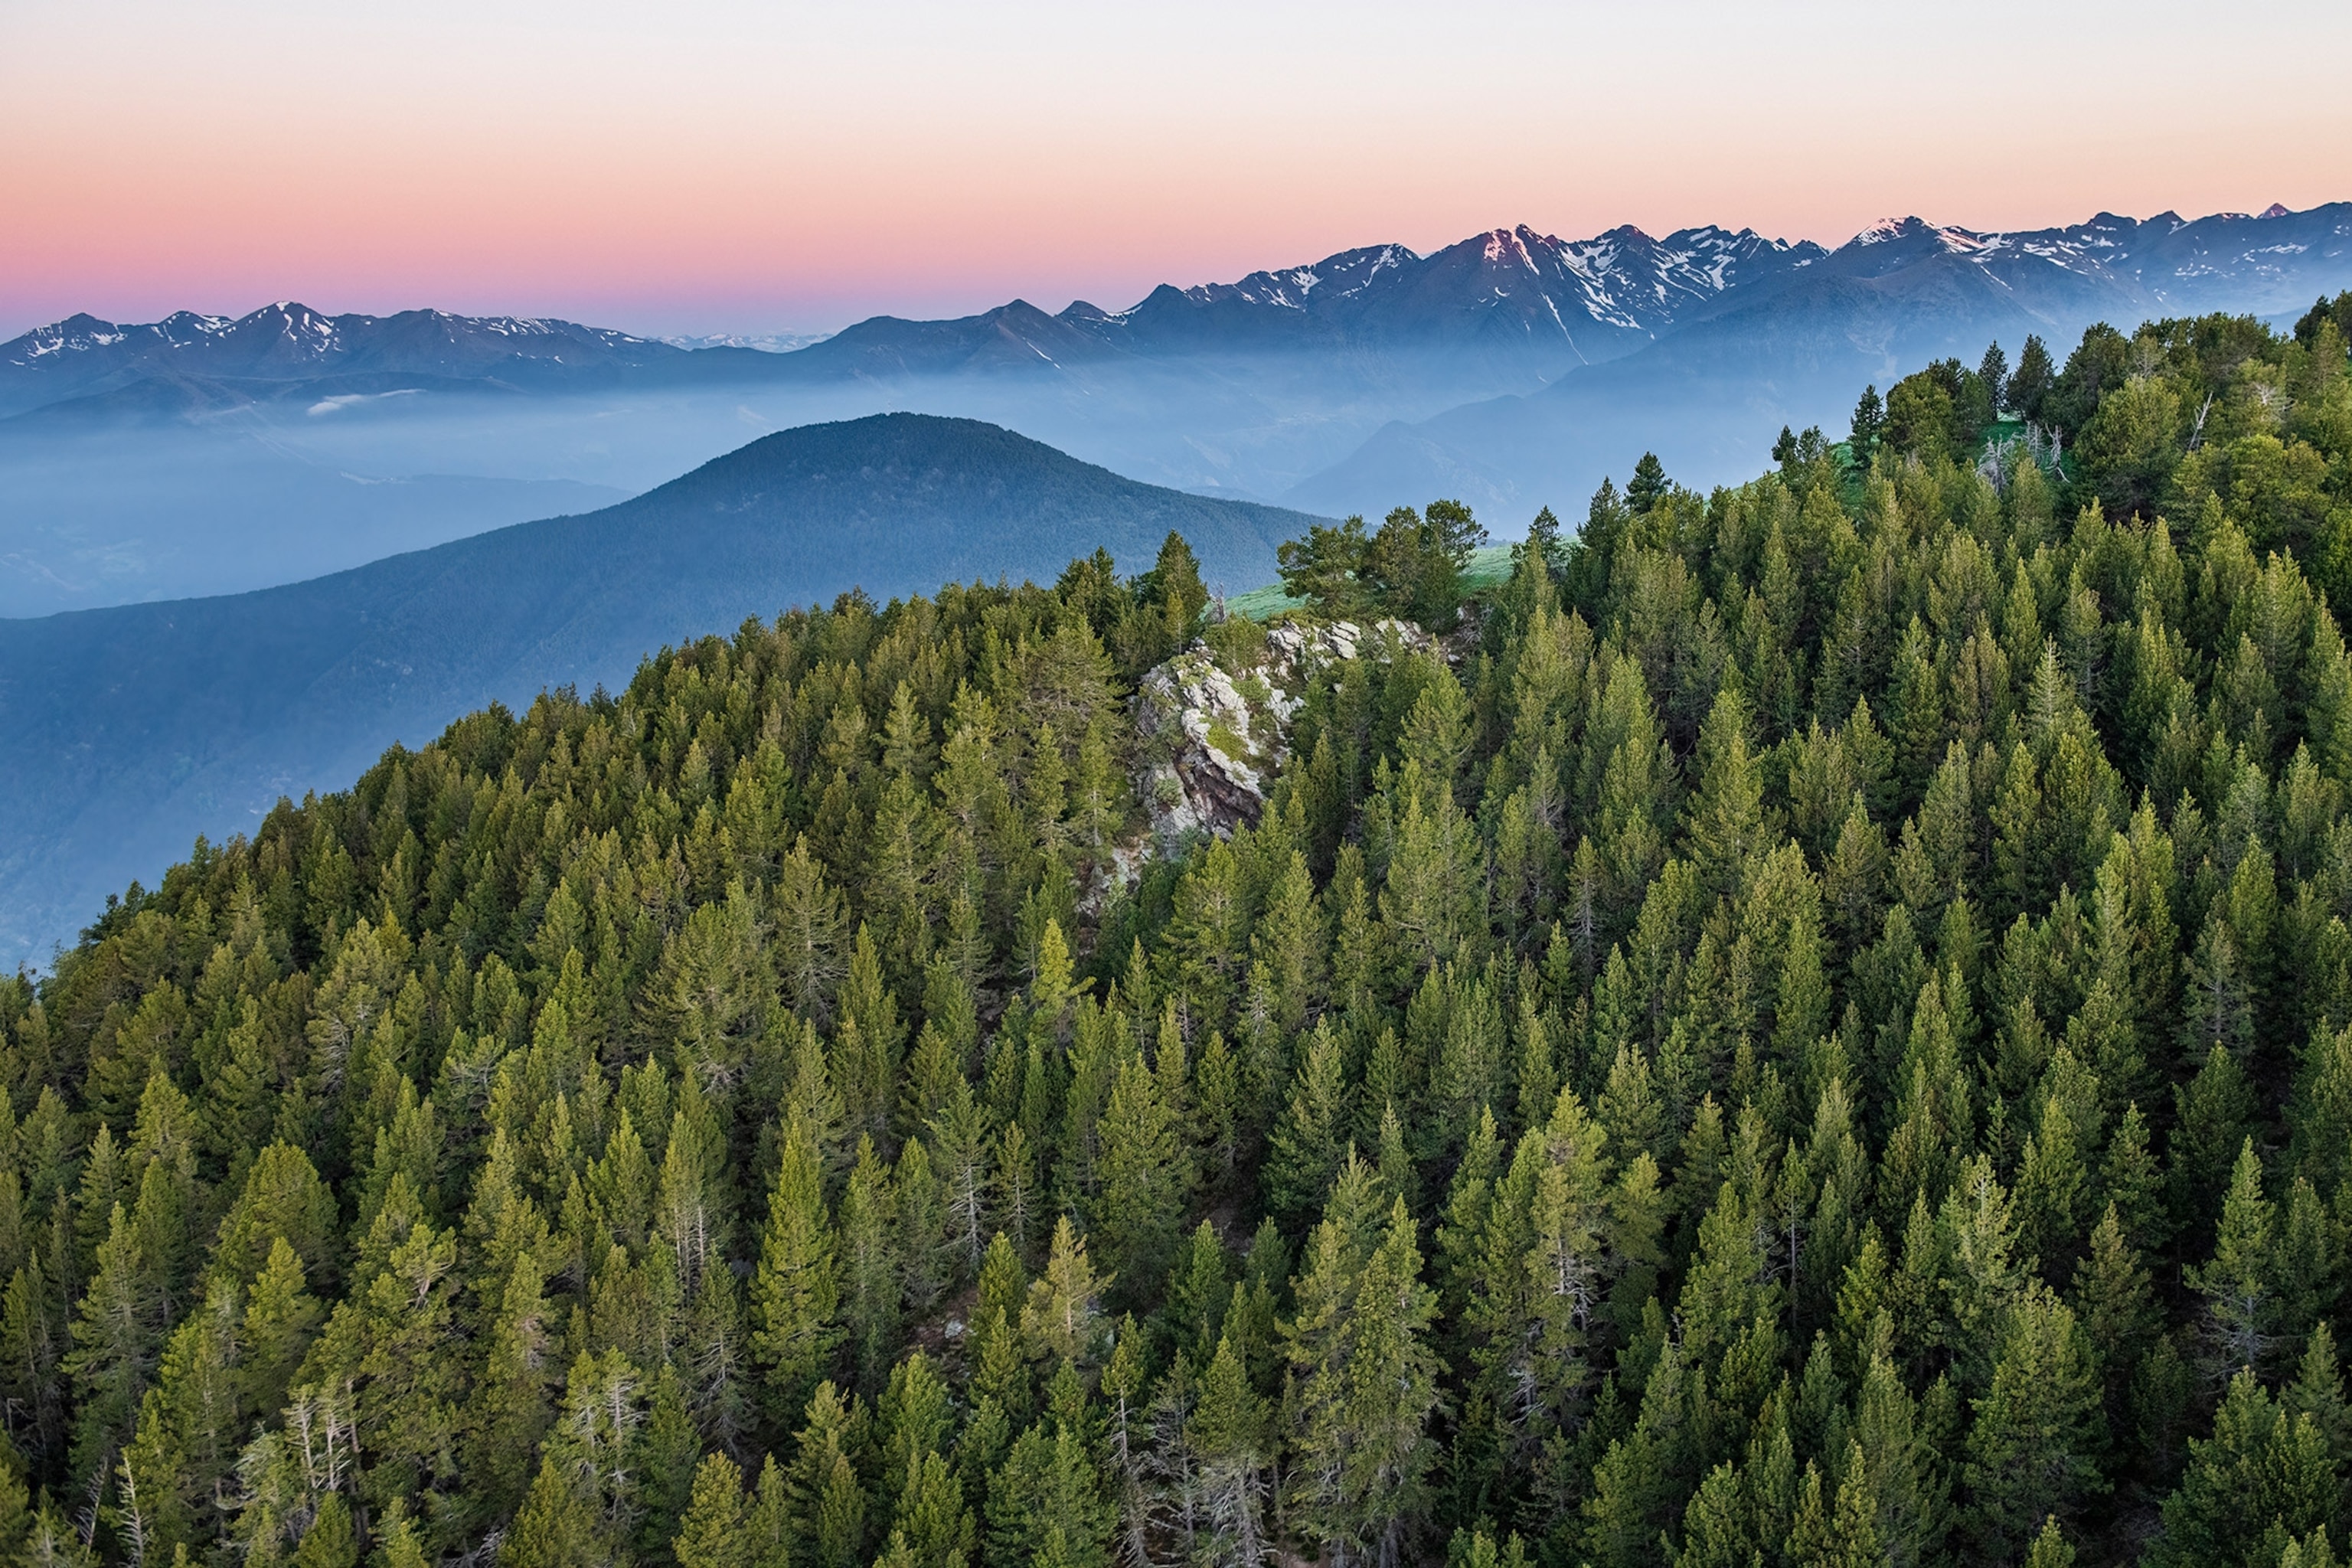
(1709, 397)
(135, 728)
(181, 459)
(583, 1119)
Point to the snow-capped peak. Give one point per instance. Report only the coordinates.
(1887, 228)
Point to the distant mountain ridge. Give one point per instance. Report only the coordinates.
(1512, 370)
(1590, 300)
(287, 342)
(1530, 306)
(1707, 396)
(136, 726)
(1538, 304)
(2167, 265)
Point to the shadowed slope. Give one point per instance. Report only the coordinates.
(138, 727)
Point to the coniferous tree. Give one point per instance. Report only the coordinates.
(2265, 1472)
(1145, 1173)
(1046, 1506)
(1231, 1437)
(1648, 483)
(795, 1291)
(2240, 1282)
(2034, 1448)
(1869, 420)
(710, 1535)
(1365, 1377)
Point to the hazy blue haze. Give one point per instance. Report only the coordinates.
(1513, 369)
(135, 728)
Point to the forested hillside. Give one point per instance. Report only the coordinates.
(136, 726)
(1814, 1027)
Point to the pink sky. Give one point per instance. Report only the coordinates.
(715, 166)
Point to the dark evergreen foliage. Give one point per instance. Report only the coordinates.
(1818, 1030)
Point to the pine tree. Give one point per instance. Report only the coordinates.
(871, 1283)
(1541, 1269)
(711, 1534)
(1433, 901)
(1906, 1473)
(1045, 1507)
(1198, 1292)
(1367, 1380)
(2033, 1450)
(1146, 1177)
(2052, 1188)
(397, 1542)
(280, 1318)
(328, 1543)
(2318, 1391)
(2239, 1284)
(1230, 1434)
(665, 1451)
(768, 1521)
(1647, 485)
(2263, 1470)
(809, 923)
(1620, 1517)
(716, 982)
(1869, 420)
(1062, 1314)
(554, 1530)
(1727, 821)
(1841, 1533)
(2112, 1298)
(117, 1334)
(796, 1289)
(922, 1243)
(828, 1506)
(1309, 1139)
(932, 1528)
(929, 1522)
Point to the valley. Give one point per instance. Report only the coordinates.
(1513, 368)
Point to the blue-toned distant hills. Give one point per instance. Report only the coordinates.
(204, 454)
(134, 728)
(1524, 303)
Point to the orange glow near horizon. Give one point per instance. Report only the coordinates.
(720, 167)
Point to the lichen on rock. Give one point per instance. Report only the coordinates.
(1214, 736)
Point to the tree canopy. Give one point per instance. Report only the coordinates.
(1817, 1028)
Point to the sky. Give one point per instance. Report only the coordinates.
(710, 165)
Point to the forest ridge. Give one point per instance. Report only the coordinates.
(1812, 1026)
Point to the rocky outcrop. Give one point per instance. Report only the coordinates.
(1214, 735)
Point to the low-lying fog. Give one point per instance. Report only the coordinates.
(98, 508)
(108, 511)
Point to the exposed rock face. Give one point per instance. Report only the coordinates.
(1212, 738)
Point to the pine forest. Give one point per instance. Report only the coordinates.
(1803, 1026)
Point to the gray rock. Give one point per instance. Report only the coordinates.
(1212, 738)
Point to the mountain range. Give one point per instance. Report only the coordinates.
(1708, 395)
(1509, 302)
(83, 357)
(1514, 369)
(1512, 300)
(1513, 292)
(132, 729)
